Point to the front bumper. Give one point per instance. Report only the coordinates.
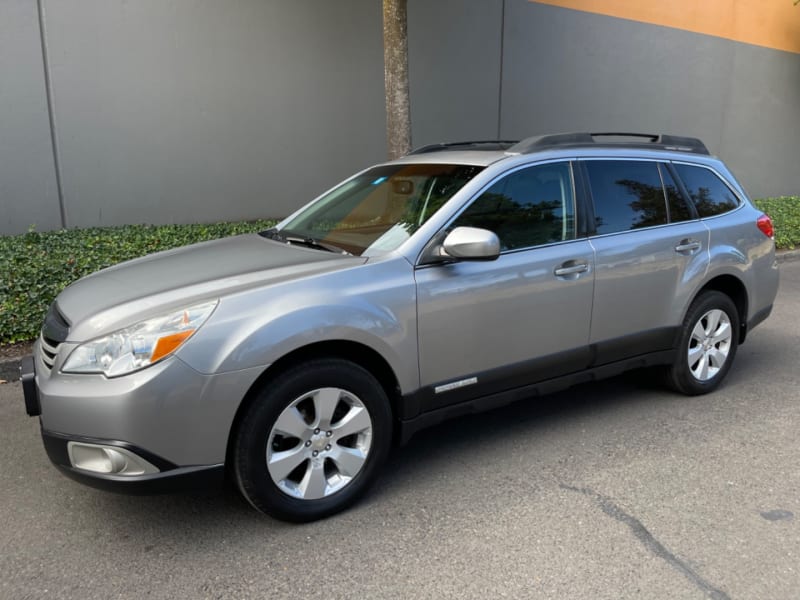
(170, 478)
(168, 416)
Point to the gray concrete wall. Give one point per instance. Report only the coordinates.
(188, 111)
(28, 191)
(182, 111)
(454, 55)
(565, 70)
(200, 110)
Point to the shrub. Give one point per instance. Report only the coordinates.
(35, 267)
(785, 214)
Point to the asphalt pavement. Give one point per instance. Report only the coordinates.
(613, 490)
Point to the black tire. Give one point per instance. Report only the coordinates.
(292, 392)
(682, 376)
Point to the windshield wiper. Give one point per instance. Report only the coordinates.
(272, 234)
(302, 240)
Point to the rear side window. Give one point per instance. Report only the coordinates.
(529, 207)
(627, 195)
(711, 196)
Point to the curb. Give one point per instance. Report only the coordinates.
(787, 256)
(9, 369)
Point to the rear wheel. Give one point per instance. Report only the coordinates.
(313, 440)
(709, 339)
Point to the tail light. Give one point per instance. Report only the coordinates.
(765, 225)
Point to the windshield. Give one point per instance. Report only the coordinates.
(379, 209)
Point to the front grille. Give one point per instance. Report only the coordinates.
(54, 332)
(49, 351)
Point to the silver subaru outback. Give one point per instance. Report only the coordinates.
(455, 279)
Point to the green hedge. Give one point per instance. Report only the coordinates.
(35, 267)
(785, 214)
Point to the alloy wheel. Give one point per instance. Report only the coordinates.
(319, 443)
(709, 344)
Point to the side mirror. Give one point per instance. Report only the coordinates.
(472, 243)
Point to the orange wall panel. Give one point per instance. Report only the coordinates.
(770, 23)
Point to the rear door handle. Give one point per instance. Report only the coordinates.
(571, 268)
(688, 246)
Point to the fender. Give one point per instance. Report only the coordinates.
(376, 308)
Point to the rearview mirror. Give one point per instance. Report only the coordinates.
(472, 243)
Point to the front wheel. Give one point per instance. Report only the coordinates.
(707, 347)
(313, 440)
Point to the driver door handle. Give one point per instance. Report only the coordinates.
(571, 268)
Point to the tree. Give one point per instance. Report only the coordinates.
(395, 69)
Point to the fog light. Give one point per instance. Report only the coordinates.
(110, 460)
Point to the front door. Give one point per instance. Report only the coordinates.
(487, 327)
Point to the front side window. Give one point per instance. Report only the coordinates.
(377, 210)
(530, 207)
(627, 195)
(708, 192)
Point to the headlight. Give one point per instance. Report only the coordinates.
(140, 345)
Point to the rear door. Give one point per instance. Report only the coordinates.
(650, 250)
(490, 326)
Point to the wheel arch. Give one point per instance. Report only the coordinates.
(360, 354)
(734, 288)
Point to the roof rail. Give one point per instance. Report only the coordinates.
(475, 145)
(640, 140)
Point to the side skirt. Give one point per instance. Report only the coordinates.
(407, 428)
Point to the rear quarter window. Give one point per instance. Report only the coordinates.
(710, 195)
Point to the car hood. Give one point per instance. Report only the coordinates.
(131, 291)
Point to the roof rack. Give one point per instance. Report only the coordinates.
(475, 145)
(640, 140)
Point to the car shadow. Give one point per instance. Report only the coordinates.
(525, 419)
(212, 513)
